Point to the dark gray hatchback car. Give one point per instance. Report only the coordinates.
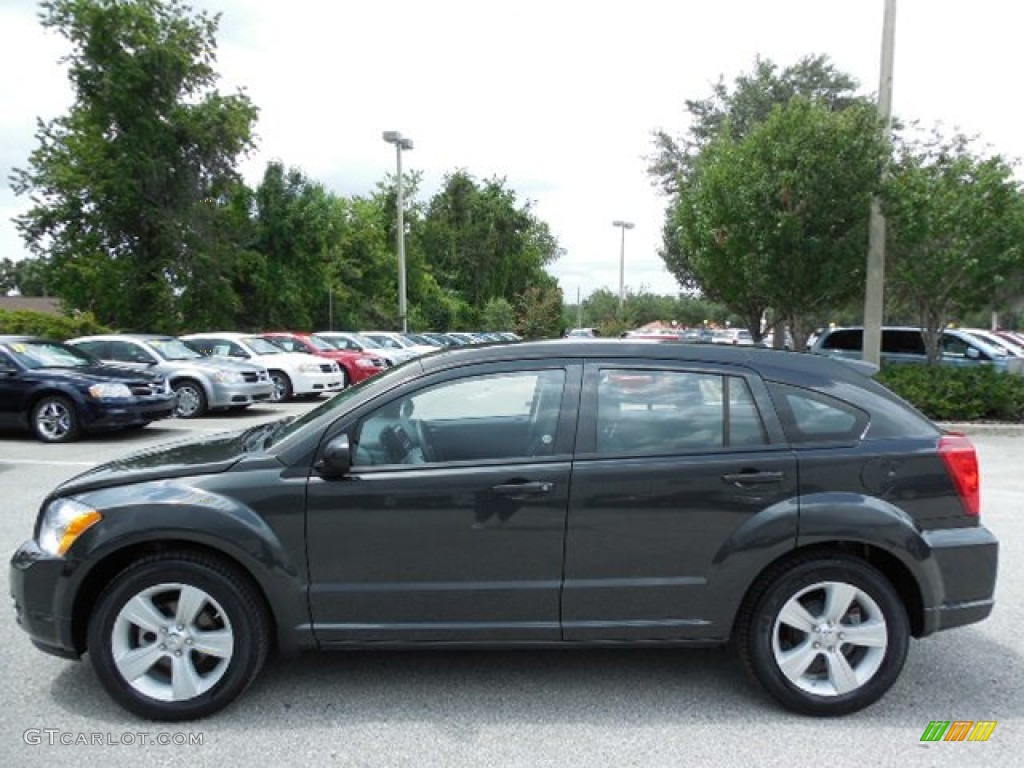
(562, 493)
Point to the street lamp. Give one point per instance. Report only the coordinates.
(623, 225)
(400, 142)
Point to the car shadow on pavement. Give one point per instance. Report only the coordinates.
(461, 691)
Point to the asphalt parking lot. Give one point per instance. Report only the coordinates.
(545, 708)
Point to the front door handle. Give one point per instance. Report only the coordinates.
(523, 489)
(740, 479)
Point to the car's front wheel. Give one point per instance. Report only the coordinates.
(824, 635)
(178, 636)
(191, 400)
(55, 420)
(282, 387)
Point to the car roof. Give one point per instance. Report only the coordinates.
(770, 362)
(129, 336)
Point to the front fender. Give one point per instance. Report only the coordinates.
(162, 512)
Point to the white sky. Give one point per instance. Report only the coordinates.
(560, 98)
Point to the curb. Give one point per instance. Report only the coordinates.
(1007, 428)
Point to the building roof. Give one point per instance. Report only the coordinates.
(46, 304)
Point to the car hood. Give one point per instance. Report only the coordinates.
(205, 456)
(92, 374)
(218, 364)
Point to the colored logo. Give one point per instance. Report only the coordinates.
(958, 730)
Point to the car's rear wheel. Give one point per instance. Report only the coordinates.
(824, 635)
(55, 420)
(178, 636)
(191, 401)
(282, 387)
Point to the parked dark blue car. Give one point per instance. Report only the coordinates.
(59, 392)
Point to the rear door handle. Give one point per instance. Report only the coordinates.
(740, 479)
(523, 489)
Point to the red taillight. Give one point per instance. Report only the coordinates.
(961, 462)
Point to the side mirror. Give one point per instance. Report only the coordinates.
(972, 354)
(337, 458)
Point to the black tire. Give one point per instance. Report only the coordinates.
(229, 618)
(54, 419)
(875, 615)
(282, 387)
(191, 400)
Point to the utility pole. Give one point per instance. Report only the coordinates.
(874, 290)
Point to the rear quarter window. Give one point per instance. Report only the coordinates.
(809, 416)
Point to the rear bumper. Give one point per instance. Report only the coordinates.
(965, 562)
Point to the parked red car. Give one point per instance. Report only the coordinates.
(357, 365)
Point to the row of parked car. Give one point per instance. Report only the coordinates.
(93, 383)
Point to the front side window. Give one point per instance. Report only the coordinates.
(129, 352)
(495, 416)
(648, 412)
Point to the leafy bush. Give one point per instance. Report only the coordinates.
(28, 323)
(948, 393)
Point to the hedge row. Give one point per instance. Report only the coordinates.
(948, 393)
(25, 322)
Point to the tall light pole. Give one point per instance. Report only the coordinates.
(874, 298)
(400, 142)
(623, 225)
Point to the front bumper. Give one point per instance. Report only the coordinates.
(42, 604)
(111, 413)
(244, 393)
(308, 383)
(965, 561)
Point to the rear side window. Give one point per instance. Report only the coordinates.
(649, 412)
(812, 417)
(902, 342)
(848, 340)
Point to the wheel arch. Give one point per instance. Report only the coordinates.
(116, 561)
(896, 572)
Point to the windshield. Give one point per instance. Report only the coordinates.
(318, 343)
(387, 341)
(262, 346)
(49, 354)
(416, 338)
(173, 349)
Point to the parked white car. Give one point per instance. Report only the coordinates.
(295, 374)
(356, 341)
(392, 340)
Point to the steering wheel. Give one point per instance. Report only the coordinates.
(416, 427)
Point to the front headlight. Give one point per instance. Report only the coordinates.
(365, 362)
(110, 390)
(63, 522)
(228, 377)
(310, 367)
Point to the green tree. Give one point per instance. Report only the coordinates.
(498, 315)
(733, 111)
(481, 243)
(29, 277)
(778, 218)
(116, 182)
(955, 226)
(539, 310)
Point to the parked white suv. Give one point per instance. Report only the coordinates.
(294, 374)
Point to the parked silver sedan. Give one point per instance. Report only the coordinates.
(201, 383)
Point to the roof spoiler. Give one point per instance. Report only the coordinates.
(863, 367)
